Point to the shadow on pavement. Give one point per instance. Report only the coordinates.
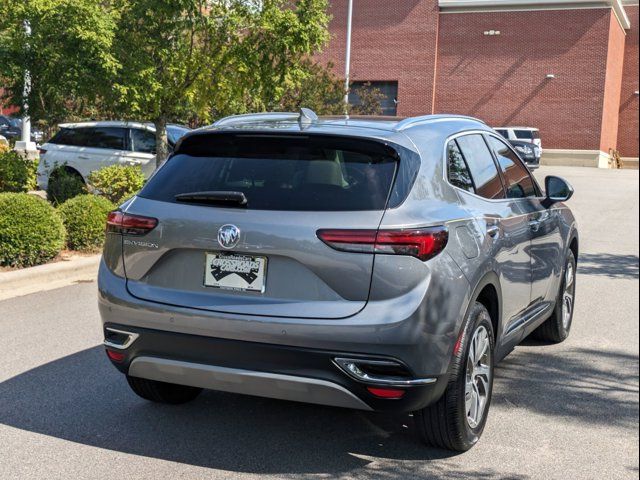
(585, 385)
(610, 265)
(81, 398)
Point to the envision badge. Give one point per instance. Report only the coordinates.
(228, 236)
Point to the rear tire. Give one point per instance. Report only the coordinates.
(557, 327)
(162, 392)
(457, 419)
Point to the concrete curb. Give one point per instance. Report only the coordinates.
(48, 277)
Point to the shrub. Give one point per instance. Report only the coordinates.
(31, 230)
(84, 218)
(117, 182)
(17, 173)
(63, 185)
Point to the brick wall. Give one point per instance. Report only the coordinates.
(502, 79)
(392, 41)
(628, 126)
(612, 86)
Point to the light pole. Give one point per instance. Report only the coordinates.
(347, 60)
(25, 144)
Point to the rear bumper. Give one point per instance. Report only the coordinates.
(275, 371)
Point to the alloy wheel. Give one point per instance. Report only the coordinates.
(478, 376)
(568, 295)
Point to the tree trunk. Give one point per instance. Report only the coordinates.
(162, 143)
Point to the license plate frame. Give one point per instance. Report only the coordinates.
(226, 271)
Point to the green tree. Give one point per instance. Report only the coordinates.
(67, 54)
(184, 58)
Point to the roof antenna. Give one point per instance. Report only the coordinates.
(307, 117)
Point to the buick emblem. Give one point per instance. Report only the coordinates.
(228, 236)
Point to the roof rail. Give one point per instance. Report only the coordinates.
(256, 117)
(413, 121)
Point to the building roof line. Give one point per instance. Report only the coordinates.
(618, 6)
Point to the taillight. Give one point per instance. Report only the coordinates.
(42, 151)
(126, 224)
(422, 243)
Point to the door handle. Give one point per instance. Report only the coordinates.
(493, 231)
(83, 157)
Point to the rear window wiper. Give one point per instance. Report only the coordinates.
(215, 197)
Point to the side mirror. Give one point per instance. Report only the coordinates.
(557, 190)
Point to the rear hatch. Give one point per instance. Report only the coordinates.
(237, 220)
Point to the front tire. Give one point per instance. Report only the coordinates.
(557, 327)
(457, 419)
(162, 392)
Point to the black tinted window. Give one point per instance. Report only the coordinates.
(518, 179)
(458, 172)
(524, 134)
(107, 137)
(308, 173)
(143, 141)
(69, 136)
(483, 169)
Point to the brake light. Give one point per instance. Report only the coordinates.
(126, 224)
(42, 151)
(422, 243)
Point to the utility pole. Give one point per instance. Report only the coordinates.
(25, 144)
(347, 60)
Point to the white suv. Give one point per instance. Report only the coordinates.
(89, 146)
(524, 134)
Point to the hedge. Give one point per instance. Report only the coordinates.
(31, 230)
(84, 218)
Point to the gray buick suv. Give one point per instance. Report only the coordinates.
(373, 264)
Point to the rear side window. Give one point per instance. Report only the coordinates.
(524, 135)
(517, 177)
(481, 165)
(94, 137)
(64, 137)
(457, 170)
(281, 172)
(143, 141)
(504, 133)
(107, 137)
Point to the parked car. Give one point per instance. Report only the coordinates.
(11, 127)
(375, 265)
(85, 147)
(529, 152)
(525, 134)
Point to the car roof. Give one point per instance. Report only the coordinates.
(533, 129)
(108, 123)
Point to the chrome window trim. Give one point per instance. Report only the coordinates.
(445, 168)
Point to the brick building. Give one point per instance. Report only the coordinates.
(568, 67)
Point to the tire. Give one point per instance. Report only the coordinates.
(445, 424)
(557, 327)
(162, 392)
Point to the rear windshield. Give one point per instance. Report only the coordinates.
(280, 172)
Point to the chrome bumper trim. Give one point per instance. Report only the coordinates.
(345, 365)
(248, 382)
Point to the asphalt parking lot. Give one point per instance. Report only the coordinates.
(567, 411)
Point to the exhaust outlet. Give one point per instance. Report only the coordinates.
(379, 372)
(119, 339)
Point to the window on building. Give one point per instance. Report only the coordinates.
(388, 91)
(517, 177)
(481, 165)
